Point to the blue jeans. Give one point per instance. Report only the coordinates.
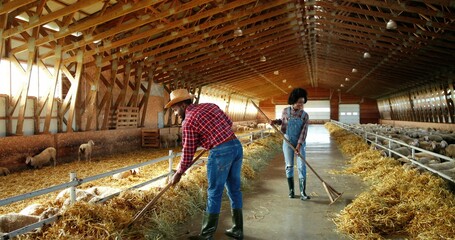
(289, 161)
(223, 169)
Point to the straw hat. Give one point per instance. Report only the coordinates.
(178, 95)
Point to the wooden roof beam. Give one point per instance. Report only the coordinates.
(14, 5)
(38, 21)
(181, 43)
(117, 11)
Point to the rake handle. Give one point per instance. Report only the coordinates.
(158, 196)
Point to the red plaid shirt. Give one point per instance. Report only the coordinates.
(205, 125)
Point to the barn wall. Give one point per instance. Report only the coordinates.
(14, 149)
(430, 103)
(369, 112)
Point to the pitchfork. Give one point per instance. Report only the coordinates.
(333, 194)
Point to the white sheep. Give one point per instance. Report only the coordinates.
(4, 171)
(450, 151)
(101, 192)
(43, 158)
(13, 221)
(86, 149)
(167, 139)
(35, 209)
(262, 125)
(64, 196)
(126, 174)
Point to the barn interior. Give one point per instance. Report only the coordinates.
(103, 70)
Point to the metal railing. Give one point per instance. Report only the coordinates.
(364, 134)
(74, 182)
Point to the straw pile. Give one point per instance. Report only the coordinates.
(349, 144)
(108, 220)
(398, 203)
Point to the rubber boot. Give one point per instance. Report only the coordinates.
(291, 187)
(237, 229)
(302, 183)
(209, 224)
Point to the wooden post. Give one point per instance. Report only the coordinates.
(246, 108)
(75, 87)
(51, 95)
(147, 95)
(24, 92)
(93, 104)
(110, 87)
(137, 85)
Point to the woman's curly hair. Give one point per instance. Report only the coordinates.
(296, 94)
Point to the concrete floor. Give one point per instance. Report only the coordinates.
(270, 214)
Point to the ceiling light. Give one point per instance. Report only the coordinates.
(276, 72)
(284, 80)
(263, 59)
(97, 41)
(347, 79)
(366, 55)
(238, 32)
(354, 70)
(341, 85)
(391, 24)
(289, 86)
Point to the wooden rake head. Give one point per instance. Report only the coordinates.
(331, 192)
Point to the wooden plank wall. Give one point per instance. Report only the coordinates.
(369, 112)
(431, 103)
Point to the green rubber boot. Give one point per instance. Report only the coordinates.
(237, 229)
(291, 187)
(209, 224)
(302, 183)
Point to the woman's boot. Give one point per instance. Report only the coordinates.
(291, 187)
(302, 183)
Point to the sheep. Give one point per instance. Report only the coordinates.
(167, 139)
(43, 158)
(434, 137)
(262, 125)
(421, 155)
(86, 149)
(126, 174)
(440, 147)
(13, 221)
(429, 146)
(442, 166)
(100, 192)
(35, 209)
(4, 171)
(401, 150)
(450, 151)
(49, 212)
(64, 196)
(449, 138)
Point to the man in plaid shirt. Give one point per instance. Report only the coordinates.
(208, 126)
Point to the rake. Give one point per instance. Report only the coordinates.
(155, 199)
(331, 192)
